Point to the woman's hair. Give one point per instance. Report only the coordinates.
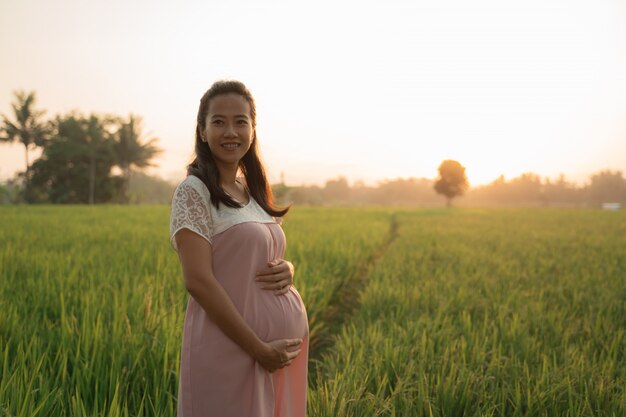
(204, 167)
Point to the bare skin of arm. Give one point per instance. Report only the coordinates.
(196, 259)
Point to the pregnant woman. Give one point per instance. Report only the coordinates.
(245, 336)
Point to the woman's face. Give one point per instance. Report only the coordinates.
(228, 130)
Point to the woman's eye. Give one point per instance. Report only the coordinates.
(242, 122)
(217, 122)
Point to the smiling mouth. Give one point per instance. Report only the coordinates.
(230, 145)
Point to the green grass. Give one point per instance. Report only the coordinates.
(91, 305)
(499, 312)
(487, 313)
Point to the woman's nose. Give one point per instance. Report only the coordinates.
(230, 131)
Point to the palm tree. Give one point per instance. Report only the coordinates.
(131, 152)
(99, 139)
(27, 128)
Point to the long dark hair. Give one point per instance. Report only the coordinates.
(204, 167)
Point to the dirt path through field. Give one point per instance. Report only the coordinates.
(347, 298)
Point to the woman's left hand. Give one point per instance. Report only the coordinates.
(278, 276)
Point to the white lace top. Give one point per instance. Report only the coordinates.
(192, 209)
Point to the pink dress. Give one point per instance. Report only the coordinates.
(217, 377)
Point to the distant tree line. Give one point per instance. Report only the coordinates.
(605, 186)
(528, 189)
(79, 155)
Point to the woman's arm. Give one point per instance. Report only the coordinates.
(195, 255)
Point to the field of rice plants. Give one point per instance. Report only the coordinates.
(433, 312)
(518, 312)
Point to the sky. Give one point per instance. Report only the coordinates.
(368, 90)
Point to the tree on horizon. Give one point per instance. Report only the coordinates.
(452, 181)
(131, 152)
(26, 128)
(75, 165)
(607, 186)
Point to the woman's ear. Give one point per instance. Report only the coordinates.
(200, 133)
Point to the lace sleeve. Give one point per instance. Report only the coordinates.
(189, 211)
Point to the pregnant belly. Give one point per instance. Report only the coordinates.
(279, 316)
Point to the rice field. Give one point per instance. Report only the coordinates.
(423, 312)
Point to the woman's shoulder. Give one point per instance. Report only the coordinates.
(194, 183)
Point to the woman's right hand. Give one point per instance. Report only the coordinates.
(278, 353)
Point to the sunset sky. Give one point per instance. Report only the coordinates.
(364, 89)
